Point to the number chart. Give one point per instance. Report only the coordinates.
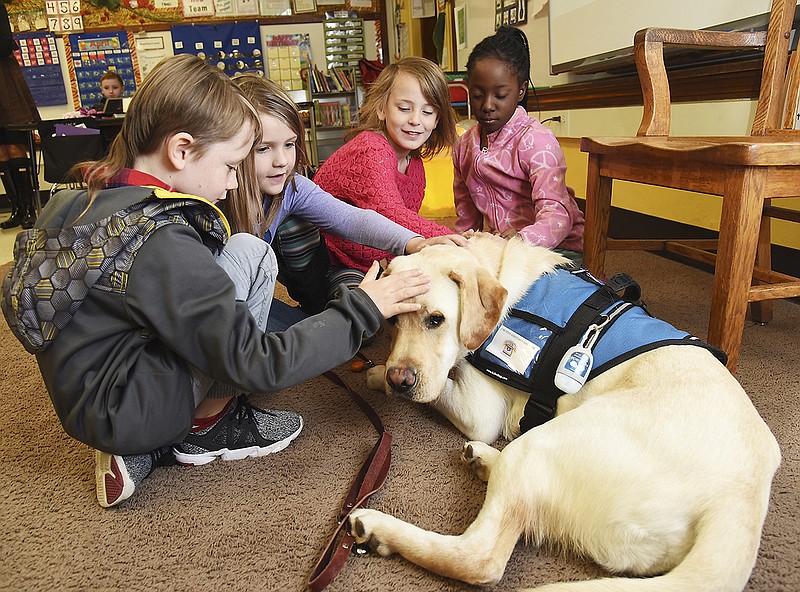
(64, 16)
(39, 62)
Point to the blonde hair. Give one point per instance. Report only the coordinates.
(181, 94)
(246, 211)
(434, 88)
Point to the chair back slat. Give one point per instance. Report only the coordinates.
(769, 116)
(792, 109)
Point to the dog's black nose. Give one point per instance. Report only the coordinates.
(401, 379)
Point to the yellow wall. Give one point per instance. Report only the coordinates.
(438, 202)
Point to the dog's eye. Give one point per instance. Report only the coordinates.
(392, 320)
(434, 321)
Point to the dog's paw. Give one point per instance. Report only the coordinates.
(376, 378)
(367, 527)
(479, 458)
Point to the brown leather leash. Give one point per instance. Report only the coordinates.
(370, 479)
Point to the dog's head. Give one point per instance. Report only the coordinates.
(463, 306)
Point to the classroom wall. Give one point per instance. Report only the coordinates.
(733, 117)
(314, 30)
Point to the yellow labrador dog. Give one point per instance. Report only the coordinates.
(658, 469)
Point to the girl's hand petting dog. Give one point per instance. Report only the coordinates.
(391, 293)
(418, 243)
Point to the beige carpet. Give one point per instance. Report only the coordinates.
(261, 524)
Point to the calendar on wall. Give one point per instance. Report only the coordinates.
(94, 54)
(40, 65)
(234, 48)
(64, 16)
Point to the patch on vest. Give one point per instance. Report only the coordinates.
(515, 350)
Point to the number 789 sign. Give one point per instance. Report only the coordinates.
(64, 16)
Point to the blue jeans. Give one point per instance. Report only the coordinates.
(253, 269)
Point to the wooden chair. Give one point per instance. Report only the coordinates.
(748, 172)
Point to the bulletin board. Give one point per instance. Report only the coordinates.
(41, 67)
(234, 48)
(94, 54)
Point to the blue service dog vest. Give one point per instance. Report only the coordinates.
(553, 316)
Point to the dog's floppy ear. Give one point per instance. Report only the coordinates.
(482, 299)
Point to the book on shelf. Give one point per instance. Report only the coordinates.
(336, 80)
(332, 113)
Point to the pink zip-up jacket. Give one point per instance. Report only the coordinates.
(518, 182)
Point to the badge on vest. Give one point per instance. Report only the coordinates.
(516, 351)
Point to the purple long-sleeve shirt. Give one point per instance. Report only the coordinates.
(366, 227)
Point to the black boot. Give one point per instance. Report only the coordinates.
(21, 174)
(11, 192)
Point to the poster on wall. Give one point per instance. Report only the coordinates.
(460, 18)
(510, 12)
(275, 7)
(234, 48)
(151, 48)
(40, 65)
(287, 56)
(246, 7)
(423, 8)
(198, 8)
(94, 54)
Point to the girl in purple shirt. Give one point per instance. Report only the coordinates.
(509, 168)
(286, 209)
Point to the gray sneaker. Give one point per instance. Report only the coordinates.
(242, 432)
(117, 476)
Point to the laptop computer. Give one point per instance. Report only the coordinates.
(112, 106)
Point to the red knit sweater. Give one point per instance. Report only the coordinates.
(364, 173)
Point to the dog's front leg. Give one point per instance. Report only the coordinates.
(478, 412)
(479, 556)
(376, 378)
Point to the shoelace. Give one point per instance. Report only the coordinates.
(245, 410)
(161, 457)
(244, 415)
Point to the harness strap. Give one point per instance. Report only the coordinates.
(370, 479)
(541, 406)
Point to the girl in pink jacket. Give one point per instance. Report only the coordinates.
(509, 168)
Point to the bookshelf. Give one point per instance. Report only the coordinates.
(335, 99)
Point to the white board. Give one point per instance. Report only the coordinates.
(590, 30)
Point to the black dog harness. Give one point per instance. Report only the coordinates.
(564, 322)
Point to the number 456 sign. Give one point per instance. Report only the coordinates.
(64, 16)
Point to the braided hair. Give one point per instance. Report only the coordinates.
(510, 46)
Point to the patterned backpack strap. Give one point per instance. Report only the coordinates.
(54, 268)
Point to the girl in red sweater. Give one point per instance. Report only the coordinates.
(406, 117)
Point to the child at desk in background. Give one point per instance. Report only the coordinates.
(146, 340)
(283, 193)
(509, 168)
(406, 117)
(112, 86)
